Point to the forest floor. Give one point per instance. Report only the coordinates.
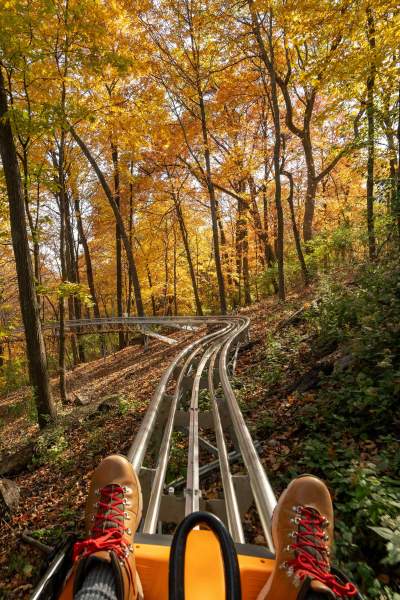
(282, 380)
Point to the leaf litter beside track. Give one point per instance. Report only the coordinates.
(53, 494)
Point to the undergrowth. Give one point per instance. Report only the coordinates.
(345, 427)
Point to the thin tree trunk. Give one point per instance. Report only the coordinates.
(207, 159)
(296, 234)
(78, 310)
(166, 270)
(174, 272)
(371, 137)
(118, 249)
(242, 246)
(398, 167)
(267, 256)
(309, 205)
(213, 206)
(88, 259)
(184, 234)
(269, 62)
(62, 344)
(74, 310)
(153, 301)
(89, 268)
(27, 294)
(33, 229)
(130, 233)
(389, 132)
(118, 218)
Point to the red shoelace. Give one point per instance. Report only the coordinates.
(108, 529)
(311, 554)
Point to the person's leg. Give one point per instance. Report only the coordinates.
(99, 584)
(105, 566)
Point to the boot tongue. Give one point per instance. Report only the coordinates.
(309, 534)
(109, 495)
(317, 586)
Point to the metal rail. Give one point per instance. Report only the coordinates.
(204, 363)
(263, 494)
(232, 508)
(218, 348)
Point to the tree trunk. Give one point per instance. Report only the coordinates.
(32, 227)
(296, 234)
(74, 308)
(242, 246)
(88, 259)
(398, 167)
(27, 294)
(175, 272)
(269, 61)
(261, 231)
(184, 234)
(213, 206)
(371, 137)
(118, 248)
(309, 206)
(118, 218)
(62, 344)
(166, 270)
(153, 301)
(130, 233)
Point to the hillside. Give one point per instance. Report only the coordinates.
(303, 382)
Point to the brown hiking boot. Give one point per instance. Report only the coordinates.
(113, 512)
(302, 531)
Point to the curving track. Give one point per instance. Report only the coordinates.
(206, 363)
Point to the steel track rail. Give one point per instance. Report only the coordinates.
(204, 362)
(232, 508)
(263, 494)
(144, 433)
(138, 449)
(81, 325)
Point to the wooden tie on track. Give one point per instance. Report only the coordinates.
(204, 363)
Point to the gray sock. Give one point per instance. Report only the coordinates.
(99, 584)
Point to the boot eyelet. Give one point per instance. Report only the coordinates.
(293, 534)
(126, 515)
(288, 548)
(295, 520)
(283, 566)
(296, 581)
(128, 531)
